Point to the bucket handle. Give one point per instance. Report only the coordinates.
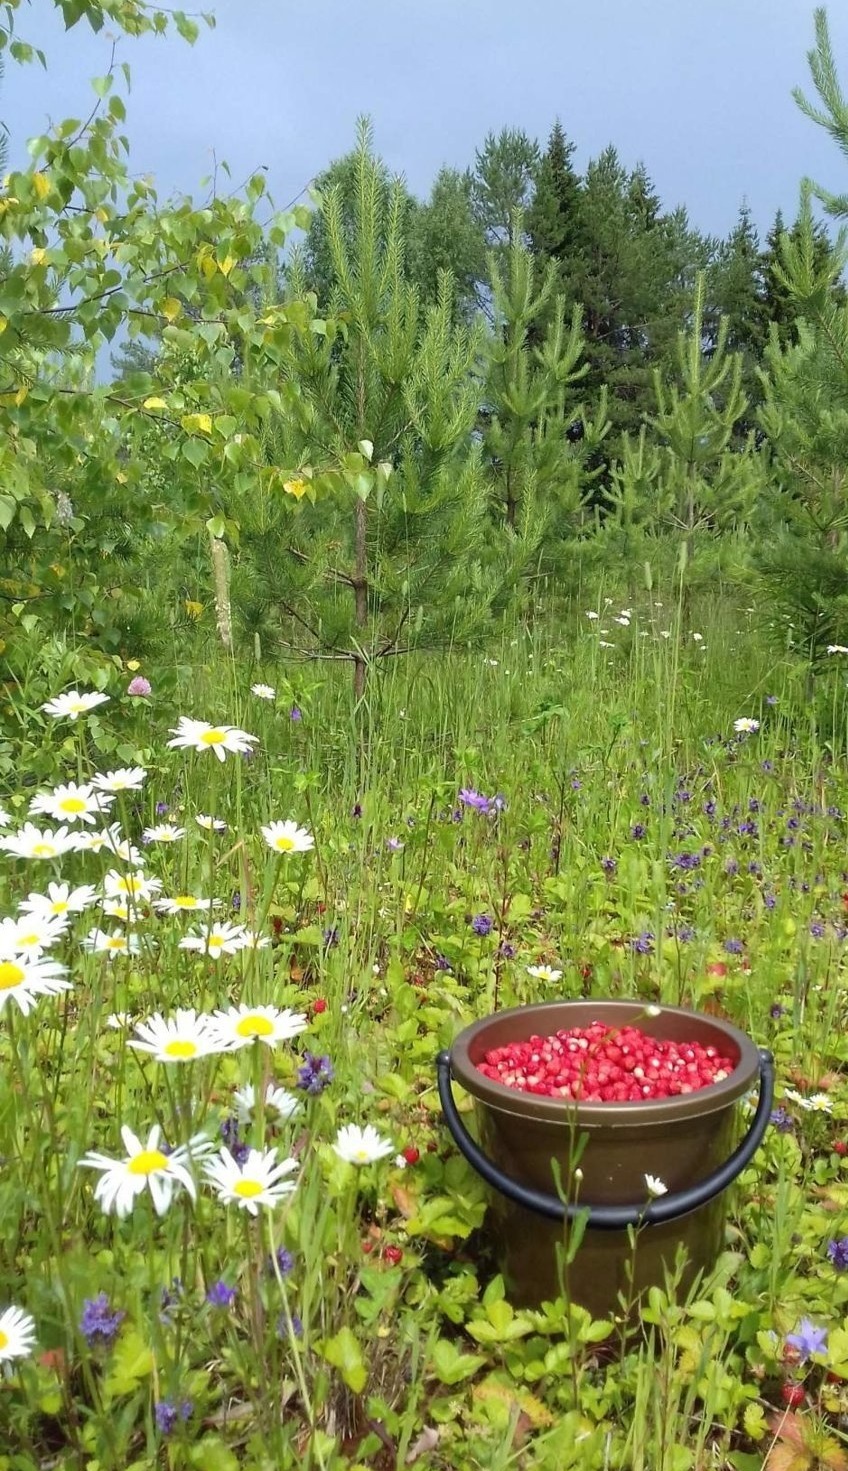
(612, 1217)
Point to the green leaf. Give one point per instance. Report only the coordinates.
(344, 1353)
(450, 1366)
(8, 506)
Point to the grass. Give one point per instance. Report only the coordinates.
(642, 847)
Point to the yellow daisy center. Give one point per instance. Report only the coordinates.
(116, 942)
(215, 942)
(10, 975)
(43, 850)
(212, 737)
(180, 1048)
(59, 906)
(147, 1162)
(362, 1156)
(284, 845)
(185, 901)
(72, 804)
(247, 1189)
(76, 707)
(254, 1026)
(4, 1340)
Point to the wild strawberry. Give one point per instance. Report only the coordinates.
(393, 1255)
(411, 1154)
(792, 1395)
(319, 1006)
(840, 1148)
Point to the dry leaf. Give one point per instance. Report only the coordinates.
(426, 1442)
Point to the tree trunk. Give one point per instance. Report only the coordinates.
(360, 592)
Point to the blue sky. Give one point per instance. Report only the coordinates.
(701, 92)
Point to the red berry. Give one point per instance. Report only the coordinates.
(393, 1255)
(411, 1154)
(367, 1247)
(792, 1395)
(840, 1147)
(319, 1006)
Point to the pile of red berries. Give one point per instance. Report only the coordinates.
(597, 1065)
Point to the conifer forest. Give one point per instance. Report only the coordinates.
(423, 803)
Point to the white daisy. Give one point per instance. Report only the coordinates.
(816, 1103)
(543, 973)
(263, 691)
(125, 849)
(163, 832)
(33, 842)
(103, 837)
(211, 824)
(261, 1180)
(241, 1025)
(251, 940)
(287, 837)
(837, 649)
(655, 1186)
(745, 726)
(71, 802)
(74, 703)
(5, 819)
(119, 909)
(179, 1038)
(146, 1167)
(17, 1334)
(119, 1020)
(185, 904)
(223, 939)
(30, 934)
(277, 1100)
(125, 779)
(361, 1146)
(136, 887)
(198, 735)
(60, 899)
(23, 979)
(120, 942)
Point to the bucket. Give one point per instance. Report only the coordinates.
(687, 1141)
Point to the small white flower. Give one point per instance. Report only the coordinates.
(401, 1162)
(263, 691)
(592, 615)
(603, 645)
(120, 942)
(71, 802)
(251, 940)
(30, 934)
(104, 837)
(698, 637)
(361, 1146)
(277, 1100)
(241, 1025)
(223, 939)
(179, 1038)
(59, 900)
(146, 1167)
(745, 726)
(125, 779)
(211, 824)
(74, 703)
(261, 1180)
(134, 886)
(23, 978)
(665, 633)
(5, 819)
(185, 904)
(198, 735)
(119, 1020)
(652, 1010)
(163, 832)
(816, 1103)
(655, 1186)
(17, 1335)
(544, 973)
(837, 649)
(287, 837)
(33, 842)
(624, 622)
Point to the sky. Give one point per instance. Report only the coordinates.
(698, 90)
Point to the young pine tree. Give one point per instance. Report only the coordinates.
(369, 536)
(536, 437)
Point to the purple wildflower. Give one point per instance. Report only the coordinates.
(220, 1295)
(169, 1415)
(643, 944)
(782, 1121)
(162, 808)
(808, 1340)
(442, 963)
(638, 831)
(98, 1324)
(609, 865)
(733, 947)
(506, 951)
(295, 714)
(330, 937)
(837, 1252)
(686, 861)
(283, 1326)
(482, 924)
(230, 1135)
(314, 1074)
(470, 798)
(284, 1262)
(140, 686)
(777, 1011)
(394, 845)
(356, 810)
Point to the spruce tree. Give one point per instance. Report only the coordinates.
(553, 220)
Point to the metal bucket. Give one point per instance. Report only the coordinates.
(686, 1141)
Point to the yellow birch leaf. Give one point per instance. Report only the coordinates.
(154, 403)
(41, 184)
